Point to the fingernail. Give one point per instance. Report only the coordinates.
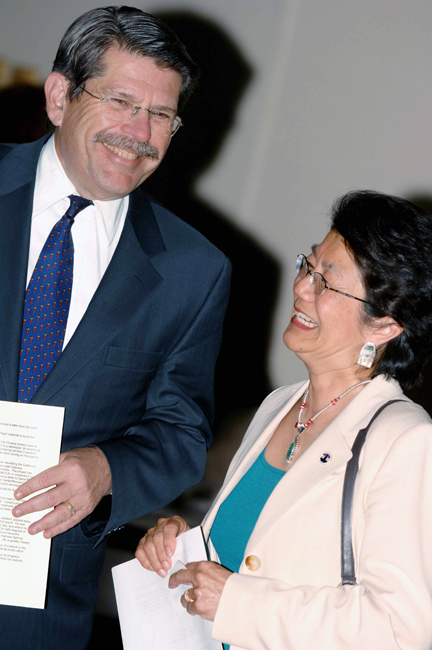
(168, 552)
(162, 573)
(18, 495)
(17, 513)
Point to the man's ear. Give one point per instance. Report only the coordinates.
(56, 89)
(385, 329)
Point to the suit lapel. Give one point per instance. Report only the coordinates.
(128, 281)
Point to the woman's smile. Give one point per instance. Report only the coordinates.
(301, 320)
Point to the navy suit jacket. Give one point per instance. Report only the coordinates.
(136, 378)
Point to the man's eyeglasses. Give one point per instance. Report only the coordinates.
(317, 283)
(120, 110)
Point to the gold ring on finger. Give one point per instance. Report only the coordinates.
(188, 597)
(70, 506)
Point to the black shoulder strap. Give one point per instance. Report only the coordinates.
(347, 556)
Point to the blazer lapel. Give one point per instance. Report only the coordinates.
(17, 176)
(128, 281)
(308, 471)
(337, 440)
(257, 436)
(303, 476)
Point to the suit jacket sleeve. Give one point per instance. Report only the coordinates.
(159, 457)
(391, 606)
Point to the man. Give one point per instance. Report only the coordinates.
(147, 302)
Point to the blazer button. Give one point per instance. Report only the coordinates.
(253, 562)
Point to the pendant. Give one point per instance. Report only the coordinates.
(300, 428)
(291, 451)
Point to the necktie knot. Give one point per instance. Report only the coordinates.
(77, 203)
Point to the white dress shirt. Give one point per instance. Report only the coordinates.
(95, 232)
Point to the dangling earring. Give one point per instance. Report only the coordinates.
(367, 355)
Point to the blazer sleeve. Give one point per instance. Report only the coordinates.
(159, 457)
(391, 606)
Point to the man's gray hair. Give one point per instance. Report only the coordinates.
(81, 52)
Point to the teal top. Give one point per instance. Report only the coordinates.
(238, 514)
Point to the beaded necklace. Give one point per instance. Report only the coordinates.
(301, 426)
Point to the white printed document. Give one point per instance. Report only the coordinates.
(151, 615)
(30, 438)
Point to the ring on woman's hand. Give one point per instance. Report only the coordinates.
(70, 506)
(187, 596)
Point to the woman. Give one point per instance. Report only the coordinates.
(362, 324)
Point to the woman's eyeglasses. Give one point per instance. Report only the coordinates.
(317, 282)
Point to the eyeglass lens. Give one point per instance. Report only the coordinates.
(317, 283)
(121, 110)
(162, 122)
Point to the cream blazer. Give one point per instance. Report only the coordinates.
(289, 597)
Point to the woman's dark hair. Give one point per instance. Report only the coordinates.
(82, 48)
(390, 240)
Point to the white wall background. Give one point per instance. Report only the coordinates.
(341, 99)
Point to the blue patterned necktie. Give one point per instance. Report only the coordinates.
(47, 302)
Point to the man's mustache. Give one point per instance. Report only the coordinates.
(128, 143)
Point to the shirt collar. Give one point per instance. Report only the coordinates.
(52, 186)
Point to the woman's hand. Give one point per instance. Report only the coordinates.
(208, 580)
(156, 548)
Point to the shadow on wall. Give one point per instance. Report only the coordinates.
(241, 378)
(422, 394)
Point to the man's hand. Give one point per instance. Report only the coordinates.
(81, 478)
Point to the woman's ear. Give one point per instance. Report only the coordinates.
(56, 89)
(383, 330)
